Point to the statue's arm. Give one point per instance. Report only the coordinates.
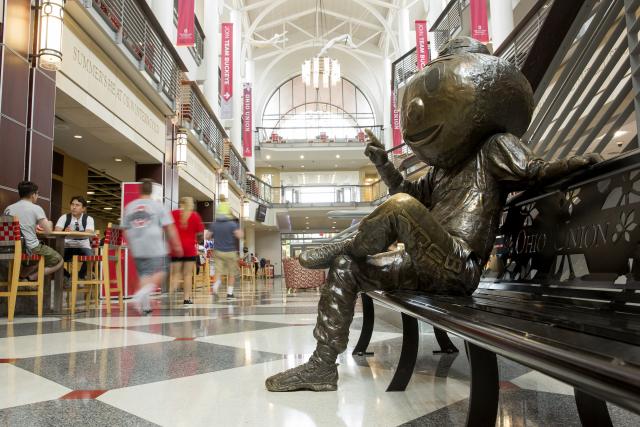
(419, 189)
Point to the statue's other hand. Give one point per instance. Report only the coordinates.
(578, 162)
(375, 150)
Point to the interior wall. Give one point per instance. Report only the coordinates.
(268, 246)
(74, 181)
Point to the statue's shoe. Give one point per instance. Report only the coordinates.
(313, 375)
(323, 256)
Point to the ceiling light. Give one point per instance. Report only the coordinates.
(335, 165)
(91, 192)
(620, 133)
(306, 217)
(269, 157)
(77, 136)
(108, 208)
(269, 165)
(307, 228)
(117, 159)
(181, 147)
(302, 156)
(302, 166)
(337, 156)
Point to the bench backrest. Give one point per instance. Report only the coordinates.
(577, 240)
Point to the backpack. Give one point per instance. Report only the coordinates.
(67, 221)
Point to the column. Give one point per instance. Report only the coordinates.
(211, 27)
(386, 104)
(501, 21)
(163, 9)
(404, 31)
(236, 129)
(27, 108)
(249, 77)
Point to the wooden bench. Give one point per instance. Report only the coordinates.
(567, 303)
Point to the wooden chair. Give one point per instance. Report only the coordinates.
(11, 250)
(201, 280)
(112, 251)
(247, 274)
(90, 286)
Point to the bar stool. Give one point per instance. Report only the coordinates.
(93, 283)
(11, 249)
(112, 251)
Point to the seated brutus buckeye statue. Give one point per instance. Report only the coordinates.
(462, 115)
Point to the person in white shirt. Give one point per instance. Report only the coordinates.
(76, 220)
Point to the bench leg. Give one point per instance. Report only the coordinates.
(483, 400)
(592, 411)
(446, 346)
(368, 317)
(408, 355)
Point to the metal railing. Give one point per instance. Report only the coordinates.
(517, 46)
(320, 135)
(234, 166)
(329, 195)
(150, 50)
(403, 69)
(449, 22)
(198, 116)
(258, 190)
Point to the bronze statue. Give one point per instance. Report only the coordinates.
(463, 115)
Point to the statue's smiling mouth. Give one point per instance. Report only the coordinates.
(424, 137)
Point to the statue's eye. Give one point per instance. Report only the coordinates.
(432, 79)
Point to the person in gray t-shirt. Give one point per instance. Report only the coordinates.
(32, 216)
(146, 223)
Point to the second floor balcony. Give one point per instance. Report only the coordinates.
(315, 136)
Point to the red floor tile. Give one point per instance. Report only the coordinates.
(83, 394)
(185, 339)
(7, 360)
(508, 385)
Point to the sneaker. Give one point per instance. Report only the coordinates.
(230, 296)
(313, 375)
(323, 256)
(147, 312)
(188, 302)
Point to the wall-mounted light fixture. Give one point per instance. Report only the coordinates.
(50, 37)
(246, 206)
(224, 188)
(181, 147)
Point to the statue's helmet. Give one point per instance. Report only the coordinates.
(459, 100)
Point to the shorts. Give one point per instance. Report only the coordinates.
(226, 263)
(51, 257)
(151, 266)
(184, 259)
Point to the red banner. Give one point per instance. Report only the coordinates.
(186, 17)
(247, 135)
(395, 124)
(227, 61)
(479, 21)
(422, 46)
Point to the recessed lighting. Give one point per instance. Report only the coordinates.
(335, 165)
(107, 209)
(620, 133)
(88, 201)
(334, 222)
(77, 136)
(268, 157)
(302, 166)
(306, 217)
(117, 159)
(307, 228)
(269, 165)
(302, 156)
(337, 156)
(91, 192)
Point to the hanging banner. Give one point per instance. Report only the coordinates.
(479, 21)
(226, 69)
(422, 47)
(247, 135)
(395, 124)
(186, 19)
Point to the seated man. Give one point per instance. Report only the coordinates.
(76, 220)
(462, 115)
(32, 216)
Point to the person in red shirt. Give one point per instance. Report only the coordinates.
(190, 228)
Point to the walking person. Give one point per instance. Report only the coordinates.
(76, 220)
(147, 223)
(226, 234)
(190, 228)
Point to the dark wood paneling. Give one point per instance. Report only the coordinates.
(41, 160)
(205, 209)
(44, 103)
(17, 33)
(15, 86)
(58, 164)
(12, 147)
(56, 198)
(149, 171)
(7, 197)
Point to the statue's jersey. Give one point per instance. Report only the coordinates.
(467, 201)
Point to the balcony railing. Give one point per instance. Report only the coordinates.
(329, 195)
(198, 116)
(317, 135)
(449, 22)
(258, 190)
(234, 166)
(151, 50)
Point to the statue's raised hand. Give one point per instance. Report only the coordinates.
(375, 150)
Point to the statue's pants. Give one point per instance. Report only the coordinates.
(433, 262)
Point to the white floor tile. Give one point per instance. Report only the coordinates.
(71, 342)
(213, 399)
(16, 320)
(20, 387)
(127, 321)
(287, 340)
(541, 382)
(289, 319)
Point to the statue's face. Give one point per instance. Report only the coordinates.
(438, 110)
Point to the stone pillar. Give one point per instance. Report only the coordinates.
(27, 107)
(236, 127)
(211, 27)
(501, 21)
(404, 30)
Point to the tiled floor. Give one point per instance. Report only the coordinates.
(205, 366)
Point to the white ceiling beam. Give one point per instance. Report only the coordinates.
(371, 37)
(336, 28)
(257, 5)
(302, 30)
(289, 18)
(310, 43)
(382, 4)
(351, 19)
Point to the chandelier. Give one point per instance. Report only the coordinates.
(320, 67)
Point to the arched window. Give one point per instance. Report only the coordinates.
(299, 113)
